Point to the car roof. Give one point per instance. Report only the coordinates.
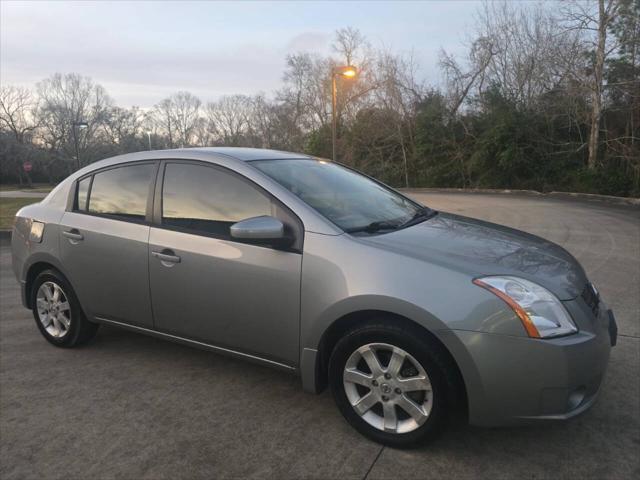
(233, 154)
(246, 154)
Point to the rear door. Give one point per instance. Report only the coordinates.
(207, 287)
(104, 243)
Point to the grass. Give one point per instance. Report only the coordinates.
(36, 187)
(9, 207)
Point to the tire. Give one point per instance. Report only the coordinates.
(58, 313)
(416, 422)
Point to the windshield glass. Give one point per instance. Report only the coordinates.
(350, 200)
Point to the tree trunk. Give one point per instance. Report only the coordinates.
(404, 157)
(596, 92)
(19, 172)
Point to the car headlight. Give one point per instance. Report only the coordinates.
(540, 311)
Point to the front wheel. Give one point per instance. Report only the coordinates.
(57, 311)
(392, 385)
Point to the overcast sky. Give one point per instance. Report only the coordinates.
(142, 52)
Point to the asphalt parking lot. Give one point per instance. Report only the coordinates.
(130, 406)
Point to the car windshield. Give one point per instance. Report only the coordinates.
(352, 201)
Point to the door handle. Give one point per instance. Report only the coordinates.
(73, 234)
(166, 255)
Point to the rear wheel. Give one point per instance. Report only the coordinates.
(394, 386)
(57, 311)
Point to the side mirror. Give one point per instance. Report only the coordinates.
(264, 230)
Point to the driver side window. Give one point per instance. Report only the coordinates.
(208, 200)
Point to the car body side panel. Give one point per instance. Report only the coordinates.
(109, 268)
(25, 253)
(341, 275)
(227, 293)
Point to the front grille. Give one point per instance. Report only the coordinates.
(592, 298)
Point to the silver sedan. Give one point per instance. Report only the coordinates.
(413, 317)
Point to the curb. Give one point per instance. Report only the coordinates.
(598, 198)
(470, 190)
(567, 195)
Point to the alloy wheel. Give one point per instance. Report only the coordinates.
(388, 388)
(54, 311)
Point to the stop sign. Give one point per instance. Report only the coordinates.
(27, 166)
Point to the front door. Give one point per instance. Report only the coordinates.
(206, 286)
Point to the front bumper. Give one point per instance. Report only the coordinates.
(514, 380)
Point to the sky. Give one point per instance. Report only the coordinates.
(143, 51)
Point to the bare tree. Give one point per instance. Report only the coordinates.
(605, 16)
(307, 90)
(594, 25)
(229, 118)
(64, 101)
(522, 50)
(263, 123)
(123, 128)
(16, 111)
(398, 91)
(177, 116)
(163, 120)
(203, 136)
(17, 124)
(354, 94)
(460, 83)
(351, 45)
(622, 140)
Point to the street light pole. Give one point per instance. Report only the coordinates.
(347, 71)
(75, 125)
(75, 142)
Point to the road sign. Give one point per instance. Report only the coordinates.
(27, 166)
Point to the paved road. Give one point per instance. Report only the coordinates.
(130, 406)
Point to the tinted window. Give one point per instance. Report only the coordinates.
(207, 199)
(83, 191)
(122, 191)
(349, 199)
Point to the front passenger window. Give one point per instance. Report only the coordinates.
(208, 200)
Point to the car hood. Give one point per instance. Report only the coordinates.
(481, 248)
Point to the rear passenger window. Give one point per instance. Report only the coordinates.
(208, 199)
(83, 192)
(122, 191)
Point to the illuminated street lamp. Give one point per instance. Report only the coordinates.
(81, 125)
(347, 71)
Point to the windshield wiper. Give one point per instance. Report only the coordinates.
(374, 227)
(421, 215)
